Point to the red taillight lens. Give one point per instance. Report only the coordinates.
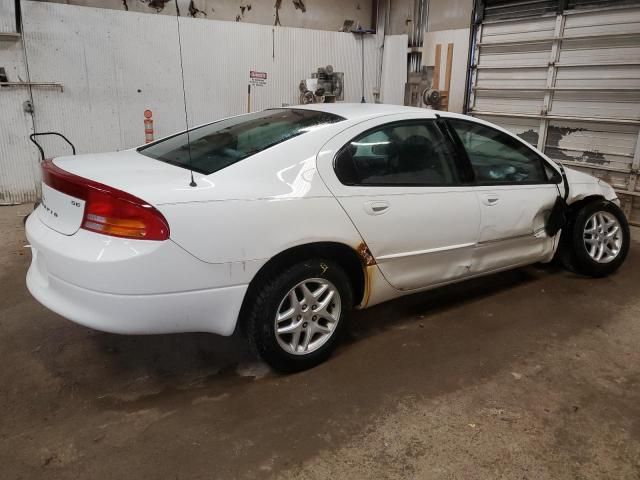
(108, 210)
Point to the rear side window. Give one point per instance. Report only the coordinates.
(407, 153)
(496, 157)
(220, 144)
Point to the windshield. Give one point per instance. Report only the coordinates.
(220, 144)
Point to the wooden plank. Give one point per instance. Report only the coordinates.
(436, 68)
(447, 72)
(447, 76)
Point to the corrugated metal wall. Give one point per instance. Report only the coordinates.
(113, 65)
(567, 81)
(16, 154)
(7, 16)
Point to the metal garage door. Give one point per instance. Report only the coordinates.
(565, 76)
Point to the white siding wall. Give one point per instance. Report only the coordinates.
(16, 153)
(113, 65)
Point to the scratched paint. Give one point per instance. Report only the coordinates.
(530, 136)
(555, 137)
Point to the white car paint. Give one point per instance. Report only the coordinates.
(437, 249)
(229, 226)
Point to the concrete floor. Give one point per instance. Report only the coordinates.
(530, 374)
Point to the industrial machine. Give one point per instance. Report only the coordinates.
(423, 88)
(324, 86)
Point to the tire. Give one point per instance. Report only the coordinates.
(579, 247)
(273, 298)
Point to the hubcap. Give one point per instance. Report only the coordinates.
(307, 316)
(602, 237)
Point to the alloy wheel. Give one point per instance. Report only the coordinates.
(602, 237)
(307, 316)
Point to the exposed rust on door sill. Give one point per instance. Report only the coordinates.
(368, 266)
(368, 286)
(365, 255)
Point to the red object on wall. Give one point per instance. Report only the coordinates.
(148, 126)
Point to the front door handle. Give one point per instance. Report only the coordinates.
(490, 199)
(376, 207)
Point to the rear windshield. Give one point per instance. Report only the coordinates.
(220, 144)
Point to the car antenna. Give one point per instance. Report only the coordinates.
(184, 97)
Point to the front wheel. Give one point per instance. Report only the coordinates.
(296, 317)
(599, 239)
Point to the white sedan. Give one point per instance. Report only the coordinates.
(279, 222)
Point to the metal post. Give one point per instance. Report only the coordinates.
(552, 72)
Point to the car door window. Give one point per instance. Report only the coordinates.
(405, 153)
(497, 158)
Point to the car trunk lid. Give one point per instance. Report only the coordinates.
(117, 184)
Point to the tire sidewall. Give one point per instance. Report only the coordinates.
(581, 259)
(264, 329)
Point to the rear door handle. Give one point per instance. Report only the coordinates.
(376, 207)
(490, 199)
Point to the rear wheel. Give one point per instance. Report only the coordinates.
(598, 239)
(296, 317)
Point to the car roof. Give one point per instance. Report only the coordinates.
(352, 111)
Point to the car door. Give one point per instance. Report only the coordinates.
(516, 190)
(398, 180)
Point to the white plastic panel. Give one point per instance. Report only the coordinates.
(394, 71)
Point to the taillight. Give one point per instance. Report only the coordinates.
(108, 210)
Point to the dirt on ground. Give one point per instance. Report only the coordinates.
(529, 374)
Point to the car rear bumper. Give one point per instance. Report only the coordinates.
(131, 287)
(214, 310)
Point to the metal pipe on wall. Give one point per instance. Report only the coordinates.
(416, 34)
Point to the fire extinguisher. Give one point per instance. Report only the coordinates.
(148, 126)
